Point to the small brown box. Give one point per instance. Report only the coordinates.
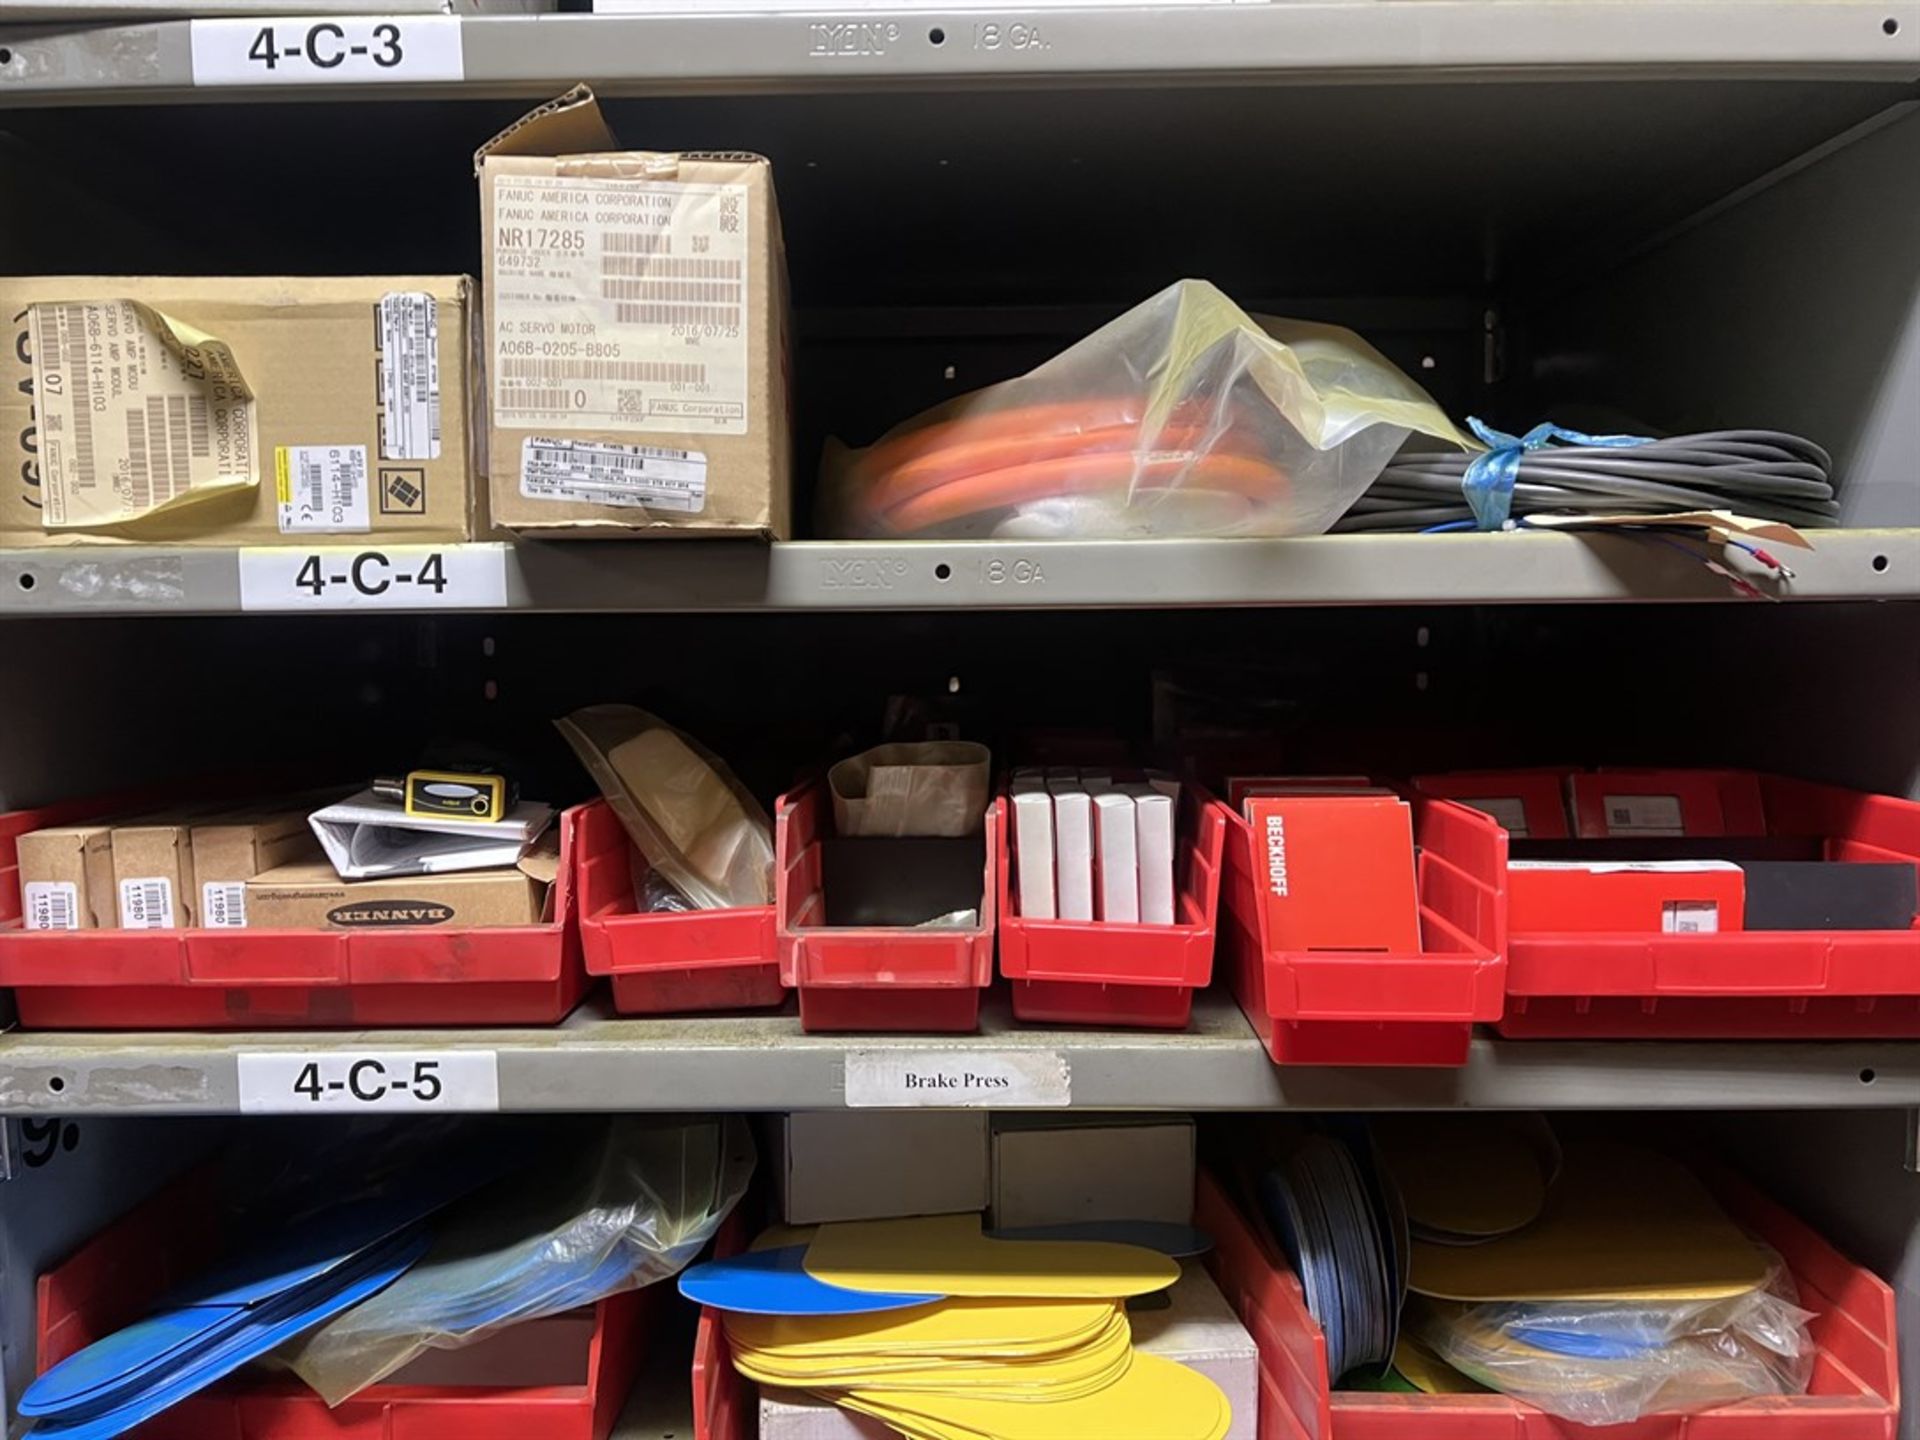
(153, 875)
(310, 895)
(229, 852)
(636, 308)
(66, 878)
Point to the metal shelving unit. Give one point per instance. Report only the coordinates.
(596, 1062)
(1015, 44)
(933, 575)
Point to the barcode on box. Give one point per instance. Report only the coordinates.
(223, 905)
(146, 903)
(636, 242)
(163, 440)
(323, 489)
(720, 317)
(408, 334)
(602, 473)
(51, 905)
(634, 372)
(1644, 814)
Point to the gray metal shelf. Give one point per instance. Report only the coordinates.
(932, 575)
(720, 52)
(597, 1062)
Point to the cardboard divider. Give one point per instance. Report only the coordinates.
(1747, 984)
(1854, 1393)
(123, 1271)
(882, 978)
(252, 979)
(1328, 1007)
(674, 961)
(1083, 972)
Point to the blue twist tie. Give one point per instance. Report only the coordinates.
(1488, 483)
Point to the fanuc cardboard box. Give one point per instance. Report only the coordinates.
(636, 308)
(244, 411)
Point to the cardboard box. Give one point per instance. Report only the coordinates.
(1189, 1323)
(153, 875)
(1033, 850)
(1116, 857)
(1670, 897)
(230, 851)
(66, 878)
(1054, 1170)
(1338, 871)
(309, 895)
(245, 411)
(1073, 849)
(1153, 819)
(637, 309)
(877, 1164)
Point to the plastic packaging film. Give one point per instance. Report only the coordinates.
(634, 1207)
(1183, 417)
(1611, 1364)
(695, 823)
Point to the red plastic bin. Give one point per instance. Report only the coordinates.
(724, 1400)
(1854, 1393)
(671, 962)
(289, 979)
(1329, 1007)
(119, 1274)
(875, 978)
(1750, 984)
(1078, 972)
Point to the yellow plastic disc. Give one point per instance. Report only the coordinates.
(947, 1255)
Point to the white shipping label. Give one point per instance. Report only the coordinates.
(1643, 815)
(395, 577)
(51, 905)
(600, 473)
(1690, 917)
(322, 489)
(135, 412)
(146, 903)
(957, 1079)
(409, 376)
(294, 1083)
(619, 304)
(223, 905)
(341, 50)
(1509, 810)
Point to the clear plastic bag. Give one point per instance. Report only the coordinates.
(1185, 416)
(698, 826)
(1610, 1363)
(626, 1202)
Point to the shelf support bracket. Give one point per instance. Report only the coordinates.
(1913, 1141)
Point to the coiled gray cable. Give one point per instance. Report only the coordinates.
(1766, 474)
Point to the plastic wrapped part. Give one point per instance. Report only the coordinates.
(1610, 1363)
(653, 893)
(625, 1202)
(1184, 417)
(697, 825)
(936, 787)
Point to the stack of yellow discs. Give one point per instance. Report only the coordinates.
(1031, 1343)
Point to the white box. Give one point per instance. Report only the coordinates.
(878, 1164)
(1116, 863)
(1054, 1170)
(1033, 852)
(1072, 851)
(1190, 1323)
(1153, 836)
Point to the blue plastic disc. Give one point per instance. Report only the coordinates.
(775, 1282)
